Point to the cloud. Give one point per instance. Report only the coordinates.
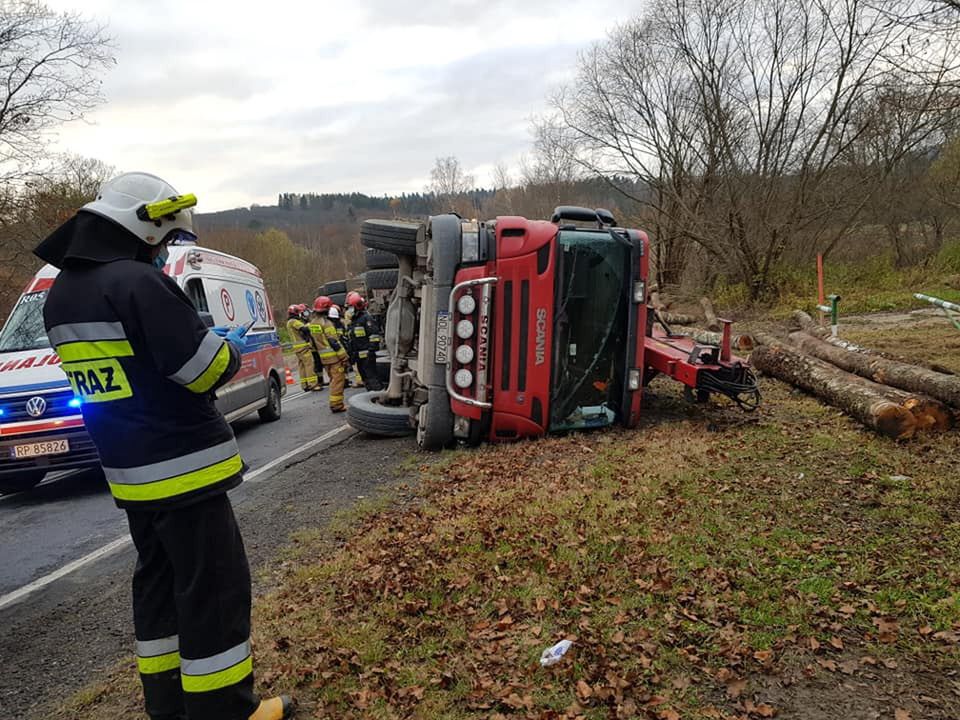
(326, 97)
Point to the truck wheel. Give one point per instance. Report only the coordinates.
(435, 421)
(381, 279)
(338, 298)
(365, 413)
(333, 287)
(21, 482)
(271, 411)
(378, 259)
(399, 238)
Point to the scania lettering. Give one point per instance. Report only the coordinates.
(548, 331)
(41, 425)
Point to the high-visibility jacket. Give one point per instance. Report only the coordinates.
(327, 340)
(300, 336)
(145, 367)
(364, 334)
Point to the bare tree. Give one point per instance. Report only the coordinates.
(448, 178)
(741, 119)
(49, 74)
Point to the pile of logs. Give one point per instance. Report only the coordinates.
(896, 398)
(684, 324)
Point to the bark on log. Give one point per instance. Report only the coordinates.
(737, 342)
(863, 400)
(712, 323)
(905, 376)
(678, 318)
(807, 324)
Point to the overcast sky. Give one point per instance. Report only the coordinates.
(237, 105)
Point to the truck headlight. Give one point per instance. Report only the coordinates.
(633, 380)
(463, 379)
(464, 329)
(464, 354)
(466, 304)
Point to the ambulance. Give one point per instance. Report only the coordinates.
(41, 425)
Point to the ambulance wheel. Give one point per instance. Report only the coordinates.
(365, 413)
(393, 236)
(380, 260)
(272, 410)
(22, 482)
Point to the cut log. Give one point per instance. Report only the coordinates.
(864, 400)
(738, 342)
(807, 324)
(905, 376)
(712, 323)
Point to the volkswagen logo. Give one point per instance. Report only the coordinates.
(36, 406)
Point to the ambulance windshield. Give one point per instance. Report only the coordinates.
(24, 330)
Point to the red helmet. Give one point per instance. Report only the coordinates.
(322, 304)
(293, 311)
(355, 300)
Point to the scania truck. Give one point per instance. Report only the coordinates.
(515, 328)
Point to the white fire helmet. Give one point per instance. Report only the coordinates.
(125, 200)
(334, 313)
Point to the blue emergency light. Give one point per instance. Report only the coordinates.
(75, 403)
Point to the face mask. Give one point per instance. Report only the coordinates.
(160, 260)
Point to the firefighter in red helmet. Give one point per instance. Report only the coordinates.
(302, 342)
(364, 337)
(332, 353)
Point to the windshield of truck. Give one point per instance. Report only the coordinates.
(24, 330)
(590, 329)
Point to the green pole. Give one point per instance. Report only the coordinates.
(834, 314)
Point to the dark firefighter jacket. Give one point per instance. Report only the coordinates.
(364, 335)
(145, 367)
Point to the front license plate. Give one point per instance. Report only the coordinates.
(441, 353)
(50, 447)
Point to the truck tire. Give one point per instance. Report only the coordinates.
(338, 298)
(393, 236)
(445, 236)
(333, 287)
(273, 409)
(22, 482)
(381, 279)
(365, 413)
(378, 259)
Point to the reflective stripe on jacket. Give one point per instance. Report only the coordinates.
(144, 365)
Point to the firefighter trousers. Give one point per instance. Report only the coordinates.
(191, 612)
(307, 370)
(338, 381)
(367, 368)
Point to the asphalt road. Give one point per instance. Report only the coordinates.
(71, 515)
(66, 634)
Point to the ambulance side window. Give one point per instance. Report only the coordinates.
(196, 294)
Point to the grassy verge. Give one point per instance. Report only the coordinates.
(690, 561)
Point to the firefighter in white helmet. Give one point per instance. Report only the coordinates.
(145, 367)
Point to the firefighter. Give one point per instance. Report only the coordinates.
(145, 368)
(302, 346)
(364, 337)
(332, 353)
(335, 317)
(317, 365)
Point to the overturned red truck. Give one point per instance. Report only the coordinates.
(515, 328)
